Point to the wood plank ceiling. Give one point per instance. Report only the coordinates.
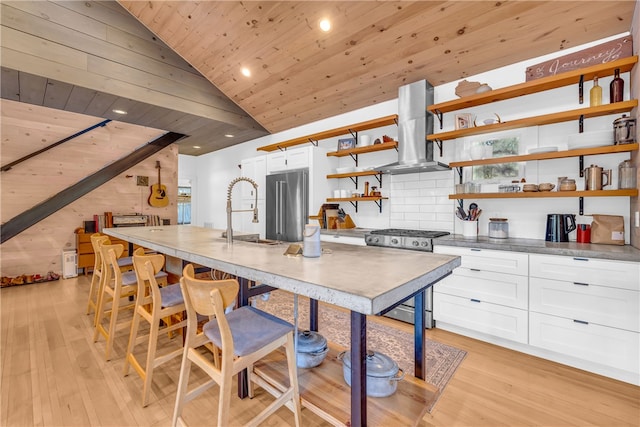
(300, 74)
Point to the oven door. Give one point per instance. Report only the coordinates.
(404, 312)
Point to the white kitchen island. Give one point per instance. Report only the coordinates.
(365, 280)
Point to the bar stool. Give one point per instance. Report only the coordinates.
(116, 287)
(153, 304)
(125, 264)
(244, 336)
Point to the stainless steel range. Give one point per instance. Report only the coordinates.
(417, 240)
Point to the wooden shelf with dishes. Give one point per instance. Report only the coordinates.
(608, 149)
(332, 133)
(545, 194)
(366, 149)
(546, 119)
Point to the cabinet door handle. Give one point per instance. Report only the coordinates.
(580, 259)
(582, 322)
(474, 269)
(475, 300)
(476, 250)
(580, 284)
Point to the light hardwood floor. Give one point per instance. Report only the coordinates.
(54, 375)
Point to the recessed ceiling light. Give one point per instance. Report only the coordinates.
(119, 111)
(245, 72)
(196, 146)
(228, 135)
(325, 25)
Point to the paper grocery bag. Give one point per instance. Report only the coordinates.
(607, 229)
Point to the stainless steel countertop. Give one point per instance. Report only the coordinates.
(537, 246)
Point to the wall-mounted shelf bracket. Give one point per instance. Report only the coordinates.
(355, 180)
(439, 144)
(379, 178)
(354, 157)
(379, 203)
(354, 133)
(581, 123)
(459, 170)
(313, 142)
(581, 89)
(581, 205)
(355, 205)
(282, 149)
(438, 114)
(581, 165)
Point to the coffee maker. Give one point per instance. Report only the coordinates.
(559, 226)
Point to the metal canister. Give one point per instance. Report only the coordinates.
(624, 130)
(626, 175)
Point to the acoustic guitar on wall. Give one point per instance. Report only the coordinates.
(158, 197)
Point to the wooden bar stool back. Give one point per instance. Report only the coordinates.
(154, 305)
(117, 287)
(244, 335)
(97, 240)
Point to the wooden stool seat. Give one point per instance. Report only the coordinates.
(243, 336)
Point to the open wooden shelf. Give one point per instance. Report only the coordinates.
(366, 149)
(324, 392)
(356, 199)
(535, 86)
(546, 119)
(351, 174)
(546, 194)
(332, 133)
(547, 156)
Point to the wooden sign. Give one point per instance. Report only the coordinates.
(601, 54)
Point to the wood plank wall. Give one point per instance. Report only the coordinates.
(38, 249)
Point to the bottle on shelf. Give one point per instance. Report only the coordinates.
(595, 95)
(616, 88)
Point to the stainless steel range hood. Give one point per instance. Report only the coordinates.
(415, 153)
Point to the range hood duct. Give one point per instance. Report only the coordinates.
(415, 153)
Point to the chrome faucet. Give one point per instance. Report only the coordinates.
(230, 210)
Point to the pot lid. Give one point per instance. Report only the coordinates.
(310, 341)
(378, 364)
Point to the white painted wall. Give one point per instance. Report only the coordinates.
(421, 200)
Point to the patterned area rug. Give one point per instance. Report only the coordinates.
(441, 360)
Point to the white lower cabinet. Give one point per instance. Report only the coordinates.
(587, 309)
(487, 294)
(492, 319)
(603, 345)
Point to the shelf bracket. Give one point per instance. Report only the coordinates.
(438, 114)
(581, 90)
(354, 157)
(459, 170)
(581, 123)
(379, 203)
(581, 165)
(282, 149)
(355, 205)
(355, 180)
(581, 205)
(313, 142)
(439, 144)
(354, 133)
(379, 178)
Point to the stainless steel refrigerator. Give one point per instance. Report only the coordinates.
(287, 205)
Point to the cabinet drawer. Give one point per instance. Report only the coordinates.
(600, 344)
(497, 320)
(499, 288)
(593, 271)
(489, 260)
(618, 308)
(86, 260)
(85, 248)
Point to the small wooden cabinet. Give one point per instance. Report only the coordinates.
(86, 256)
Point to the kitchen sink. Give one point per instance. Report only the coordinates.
(261, 241)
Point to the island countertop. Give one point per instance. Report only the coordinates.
(364, 279)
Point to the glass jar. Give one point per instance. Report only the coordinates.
(498, 228)
(626, 175)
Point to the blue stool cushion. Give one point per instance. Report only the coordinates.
(171, 295)
(125, 261)
(251, 329)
